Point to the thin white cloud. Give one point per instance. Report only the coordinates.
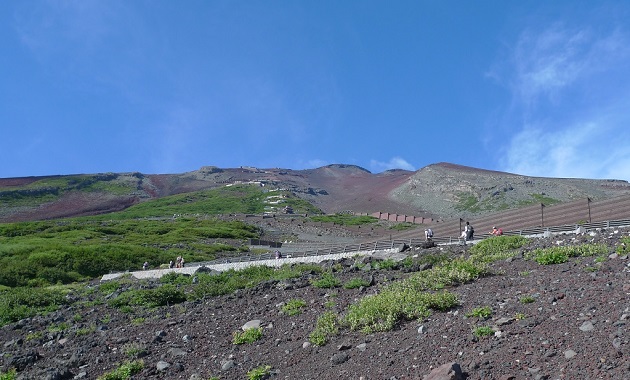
(393, 163)
(569, 108)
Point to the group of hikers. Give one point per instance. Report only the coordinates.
(179, 263)
(467, 234)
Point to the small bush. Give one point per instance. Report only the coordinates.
(480, 312)
(356, 283)
(483, 331)
(10, 375)
(247, 336)
(125, 371)
(559, 255)
(526, 299)
(326, 280)
(259, 373)
(386, 264)
(166, 294)
(325, 327)
(133, 350)
(293, 307)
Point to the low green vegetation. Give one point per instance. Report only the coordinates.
(247, 336)
(133, 350)
(497, 248)
(9, 375)
(51, 252)
(624, 247)
(259, 373)
(345, 219)
(166, 294)
(355, 283)
(559, 255)
(387, 264)
(480, 312)
(483, 331)
(20, 303)
(293, 307)
(124, 371)
(326, 280)
(327, 325)
(526, 299)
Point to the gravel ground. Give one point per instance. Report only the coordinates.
(575, 328)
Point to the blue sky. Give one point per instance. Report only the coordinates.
(538, 88)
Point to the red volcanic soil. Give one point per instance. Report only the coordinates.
(75, 204)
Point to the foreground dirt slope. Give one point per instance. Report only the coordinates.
(575, 328)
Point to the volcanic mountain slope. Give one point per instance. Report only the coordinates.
(439, 190)
(453, 190)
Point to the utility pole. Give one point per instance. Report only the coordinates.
(588, 202)
(542, 215)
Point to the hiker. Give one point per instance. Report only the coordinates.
(181, 262)
(467, 233)
(470, 231)
(278, 254)
(178, 262)
(428, 234)
(145, 265)
(171, 264)
(496, 231)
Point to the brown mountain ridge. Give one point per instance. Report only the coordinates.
(440, 191)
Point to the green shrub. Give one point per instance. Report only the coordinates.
(325, 327)
(20, 303)
(124, 371)
(497, 248)
(480, 312)
(526, 299)
(133, 350)
(259, 373)
(9, 375)
(624, 247)
(386, 264)
(483, 331)
(293, 307)
(326, 280)
(247, 336)
(381, 312)
(166, 294)
(559, 255)
(354, 283)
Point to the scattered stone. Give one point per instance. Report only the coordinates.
(253, 324)
(175, 352)
(227, 365)
(162, 366)
(569, 354)
(448, 371)
(362, 347)
(339, 358)
(587, 326)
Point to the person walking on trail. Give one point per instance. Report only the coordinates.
(145, 266)
(467, 233)
(428, 234)
(470, 231)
